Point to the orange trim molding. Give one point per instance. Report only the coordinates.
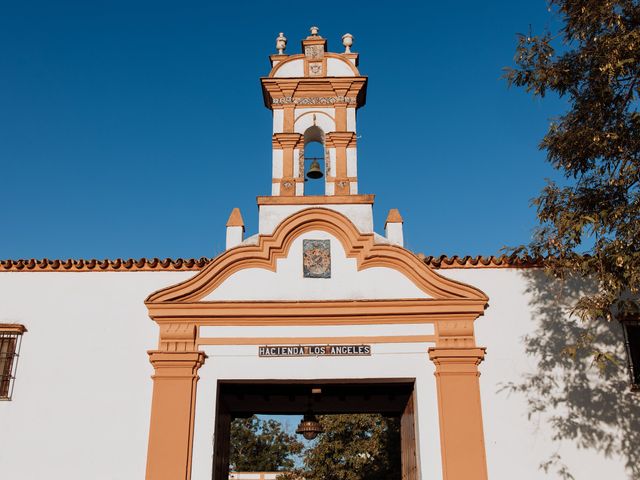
(302, 56)
(317, 200)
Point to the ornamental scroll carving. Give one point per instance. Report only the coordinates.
(312, 100)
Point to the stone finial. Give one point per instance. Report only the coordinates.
(393, 227)
(235, 229)
(394, 216)
(235, 219)
(281, 43)
(314, 31)
(347, 41)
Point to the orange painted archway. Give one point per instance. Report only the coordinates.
(180, 311)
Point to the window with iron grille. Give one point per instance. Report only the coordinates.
(631, 328)
(10, 340)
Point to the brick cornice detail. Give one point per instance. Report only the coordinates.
(297, 89)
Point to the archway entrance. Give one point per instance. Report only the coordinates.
(388, 397)
(375, 295)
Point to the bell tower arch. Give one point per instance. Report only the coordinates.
(315, 88)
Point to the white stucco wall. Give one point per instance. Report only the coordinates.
(352, 162)
(338, 68)
(234, 236)
(278, 120)
(394, 233)
(351, 119)
(270, 216)
(324, 118)
(515, 443)
(294, 68)
(277, 171)
(82, 394)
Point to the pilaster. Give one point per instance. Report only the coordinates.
(176, 366)
(287, 142)
(341, 141)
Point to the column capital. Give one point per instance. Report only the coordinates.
(286, 140)
(341, 139)
(176, 364)
(457, 360)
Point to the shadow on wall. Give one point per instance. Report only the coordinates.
(585, 402)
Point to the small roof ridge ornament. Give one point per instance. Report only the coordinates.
(347, 41)
(314, 31)
(281, 43)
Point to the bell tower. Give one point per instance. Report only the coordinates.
(314, 97)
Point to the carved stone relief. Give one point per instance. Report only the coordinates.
(314, 52)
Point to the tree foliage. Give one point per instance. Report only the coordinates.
(590, 225)
(353, 447)
(261, 446)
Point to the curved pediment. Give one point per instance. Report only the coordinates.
(293, 66)
(357, 246)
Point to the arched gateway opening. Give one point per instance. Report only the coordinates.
(393, 399)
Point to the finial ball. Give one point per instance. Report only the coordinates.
(314, 31)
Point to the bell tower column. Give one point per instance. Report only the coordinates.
(345, 184)
(286, 174)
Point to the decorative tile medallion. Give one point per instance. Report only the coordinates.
(316, 258)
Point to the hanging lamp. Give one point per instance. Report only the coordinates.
(309, 426)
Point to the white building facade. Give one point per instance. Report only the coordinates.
(81, 403)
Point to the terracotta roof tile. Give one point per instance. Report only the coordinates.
(93, 265)
(196, 264)
(480, 261)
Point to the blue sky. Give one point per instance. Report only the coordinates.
(131, 128)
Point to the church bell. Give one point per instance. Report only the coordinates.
(315, 171)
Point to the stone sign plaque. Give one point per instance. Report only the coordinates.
(316, 258)
(314, 350)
